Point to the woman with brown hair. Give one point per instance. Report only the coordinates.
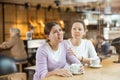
(82, 48)
(51, 57)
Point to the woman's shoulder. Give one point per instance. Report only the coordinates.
(42, 49)
(43, 46)
(66, 42)
(86, 41)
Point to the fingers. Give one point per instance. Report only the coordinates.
(71, 52)
(82, 69)
(68, 73)
(64, 73)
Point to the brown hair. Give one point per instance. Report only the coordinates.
(100, 37)
(48, 27)
(80, 21)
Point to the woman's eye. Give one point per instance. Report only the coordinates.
(79, 29)
(54, 31)
(74, 29)
(60, 29)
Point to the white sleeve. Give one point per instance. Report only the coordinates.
(91, 50)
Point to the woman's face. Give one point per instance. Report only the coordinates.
(77, 30)
(56, 34)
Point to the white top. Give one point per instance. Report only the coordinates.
(85, 49)
(54, 53)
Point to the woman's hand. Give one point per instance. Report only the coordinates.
(82, 69)
(71, 52)
(63, 72)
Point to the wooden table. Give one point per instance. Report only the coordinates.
(109, 71)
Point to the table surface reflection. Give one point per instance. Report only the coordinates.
(109, 71)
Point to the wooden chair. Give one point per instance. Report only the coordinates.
(20, 65)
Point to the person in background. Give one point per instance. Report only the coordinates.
(51, 57)
(102, 47)
(16, 46)
(83, 49)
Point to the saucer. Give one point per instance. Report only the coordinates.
(96, 66)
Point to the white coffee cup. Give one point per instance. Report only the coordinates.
(75, 68)
(95, 62)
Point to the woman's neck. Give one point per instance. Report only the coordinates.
(76, 42)
(54, 46)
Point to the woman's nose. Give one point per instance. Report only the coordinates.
(60, 32)
(77, 30)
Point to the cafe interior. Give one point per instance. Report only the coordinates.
(101, 17)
